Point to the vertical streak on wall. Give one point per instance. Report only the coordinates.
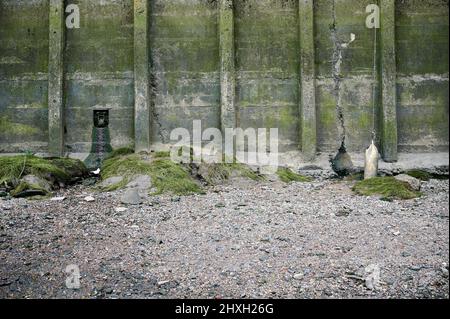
(141, 76)
(56, 78)
(227, 67)
(308, 125)
(388, 82)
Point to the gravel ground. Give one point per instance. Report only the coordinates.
(249, 240)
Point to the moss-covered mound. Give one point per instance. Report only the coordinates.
(419, 174)
(120, 152)
(426, 176)
(55, 171)
(287, 175)
(387, 187)
(167, 177)
(216, 173)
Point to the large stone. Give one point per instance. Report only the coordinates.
(141, 182)
(111, 181)
(131, 197)
(342, 164)
(413, 182)
(33, 180)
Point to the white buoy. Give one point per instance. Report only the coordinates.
(371, 162)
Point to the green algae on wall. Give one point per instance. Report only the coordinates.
(422, 36)
(23, 75)
(267, 67)
(186, 76)
(99, 73)
(185, 63)
(8, 128)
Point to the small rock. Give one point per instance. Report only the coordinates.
(109, 291)
(344, 212)
(298, 276)
(372, 278)
(162, 283)
(416, 268)
(342, 164)
(406, 254)
(131, 197)
(89, 181)
(414, 183)
(89, 199)
(58, 199)
(120, 209)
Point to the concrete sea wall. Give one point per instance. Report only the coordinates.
(160, 64)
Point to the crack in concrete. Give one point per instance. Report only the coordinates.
(336, 74)
(155, 116)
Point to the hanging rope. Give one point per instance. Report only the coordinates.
(374, 84)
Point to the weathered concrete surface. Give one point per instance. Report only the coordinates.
(142, 97)
(23, 75)
(227, 66)
(422, 75)
(344, 74)
(99, 73)
(431, 162)
(191, 68)
(185, 65)
(389, 134)
(56, 78)
(267, 67)
(308, 110)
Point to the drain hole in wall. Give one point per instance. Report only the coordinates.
(101, 118)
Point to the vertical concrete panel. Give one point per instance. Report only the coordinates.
(141, 77)
(56, 78)
(267, 67)
(389, 134)
(24, 34)
(422, 41)
(185, 62)
(308, 126)
(227, 65)
(344, 74)
(100, 73)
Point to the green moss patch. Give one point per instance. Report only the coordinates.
(354, 177)
(161, 155)
(55, 170)
(387, 187)
(167, 177)
(14, 167)
(218, 172)
(9, 128)
(120, 152)
(419, 174)
(24, 186)
(425, 176)
(72, 167)
(287, 175)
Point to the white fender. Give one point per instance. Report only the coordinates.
(371, 162)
